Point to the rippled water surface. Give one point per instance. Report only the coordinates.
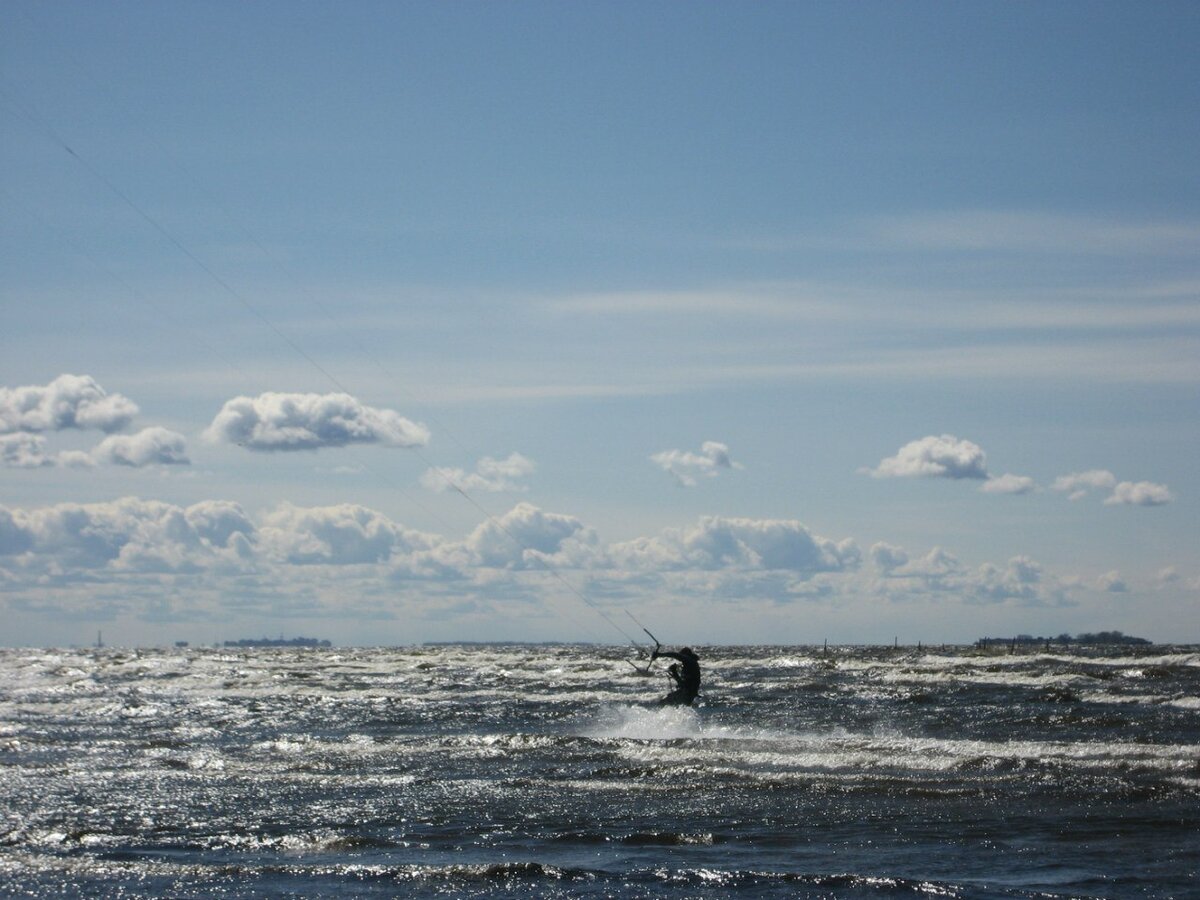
(548, 771)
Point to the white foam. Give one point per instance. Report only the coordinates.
(639, 723)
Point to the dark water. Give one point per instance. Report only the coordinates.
(535, 772)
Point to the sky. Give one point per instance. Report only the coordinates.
(747, 323)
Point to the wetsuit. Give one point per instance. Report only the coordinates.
(689, 681)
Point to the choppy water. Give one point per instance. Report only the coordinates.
(523, 771)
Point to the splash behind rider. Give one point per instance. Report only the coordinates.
(688, 683)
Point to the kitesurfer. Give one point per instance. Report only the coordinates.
(686, 676)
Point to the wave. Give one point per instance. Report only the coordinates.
(641, 838)
(494, 772)
(110, 875)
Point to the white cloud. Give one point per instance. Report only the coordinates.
(1127, 493)
(1009, 484)
(716, 542)
(1016, 581)
(490, 475)
(75, 459)
(940, 574)
(125, 535)
(686, 466)
(1167, 576)
(218, 521)
(934, 457)
(150, 446)
(345, 534)
(281, 422)
(77, 401)
(886, 557)
(1112, 582)
(527, 535)
(210, 559)
(69, 401)
(208, 535)
(1077, 484)
(1140, 493)
(24, 451)
(142, 535)
(933, 569)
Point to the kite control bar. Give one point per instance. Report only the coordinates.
(657, 642)
(657, 647)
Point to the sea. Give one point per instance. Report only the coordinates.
(550, 771)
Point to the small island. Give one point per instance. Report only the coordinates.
(1101, 638)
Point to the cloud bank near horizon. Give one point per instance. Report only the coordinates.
(67, 555)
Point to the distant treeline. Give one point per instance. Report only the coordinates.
(1099, 637)
(279, 642)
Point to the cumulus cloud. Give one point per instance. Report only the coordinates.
(1139, 493)
(526, 536)
(490, 475)
(75, 459)
(686, 467)
(345, 534)
(935, 570)
(944, 456)
(716, 542)
(77, 401)
(1077, 484)
(150, 446)
(281, 422)
(941, 574)
(69, 401)
(211, 557)
(1112, 582)
(1009, 484)
(1015, 581)
(886, 557)
(125, 535)
(1167, 576)
(1125, 493)
(24, 451)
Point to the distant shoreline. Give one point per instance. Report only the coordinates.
(1087, 639)
(1080, 642)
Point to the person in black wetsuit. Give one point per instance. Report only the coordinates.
(688, 682)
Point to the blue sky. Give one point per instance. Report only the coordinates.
(771, 322)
